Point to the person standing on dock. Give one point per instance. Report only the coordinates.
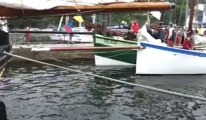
(133, 30)
(135, 27)
(28, 36)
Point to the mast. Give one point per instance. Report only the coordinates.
(60, 23)
(186, 10)
(192, 10)
(148, 14)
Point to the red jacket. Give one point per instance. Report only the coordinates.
(135, 27)
(187, 44)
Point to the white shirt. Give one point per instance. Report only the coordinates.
(170, 32)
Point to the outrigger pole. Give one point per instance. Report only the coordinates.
(86, 48)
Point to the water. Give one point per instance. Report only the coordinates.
(37, 92)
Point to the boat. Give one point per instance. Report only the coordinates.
(5, 45)
(25, 8)
(158, 58)
(75, 38)
(15, 8)
(116, 57)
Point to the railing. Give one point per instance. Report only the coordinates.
(47, 37)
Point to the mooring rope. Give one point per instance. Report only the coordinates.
(112, 79)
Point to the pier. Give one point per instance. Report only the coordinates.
(25, 50)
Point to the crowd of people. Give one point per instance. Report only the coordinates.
(170, 34)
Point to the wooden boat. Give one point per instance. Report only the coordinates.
(161, 59)
(158, 58)
(116, 58)
(113, 58)
(27, 8)
(76, 38)
(4, 45)
(119, 58)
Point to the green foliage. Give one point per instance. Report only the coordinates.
(177, 15)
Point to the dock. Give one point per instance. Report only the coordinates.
(25, 50)
(21, 47)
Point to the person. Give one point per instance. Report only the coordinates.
(130, 35)
(135, 27)
(149, 29)
(171, 36)
(130, 25)
(199, 30)
(152, 29)
(27, 36)
(188, 42)
(178, 38)
(161, 32)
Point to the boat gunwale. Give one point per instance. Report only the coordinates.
(104, 37)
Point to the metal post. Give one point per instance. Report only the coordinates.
(60, 23)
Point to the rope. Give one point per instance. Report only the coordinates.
(61, 61)
(1, 73)
(112, 79)
(52, 58)
(22, 7)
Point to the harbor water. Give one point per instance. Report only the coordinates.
(38, 92)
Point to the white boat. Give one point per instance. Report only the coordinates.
(82, 38)
(160, 59)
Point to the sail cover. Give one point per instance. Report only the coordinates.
(48, 4)
(51, 7)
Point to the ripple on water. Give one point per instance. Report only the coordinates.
(34, 92)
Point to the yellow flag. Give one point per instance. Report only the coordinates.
(78, 18)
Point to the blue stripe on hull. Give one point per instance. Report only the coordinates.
(176, 50)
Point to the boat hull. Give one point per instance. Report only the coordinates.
(4, 59)
(5, 46)
(74, 38)
(115, 57)
(156, 59)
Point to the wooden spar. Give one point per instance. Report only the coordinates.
(49, 32)
(103, 8)
(136, 5)
(192, 10)
(86, 48)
